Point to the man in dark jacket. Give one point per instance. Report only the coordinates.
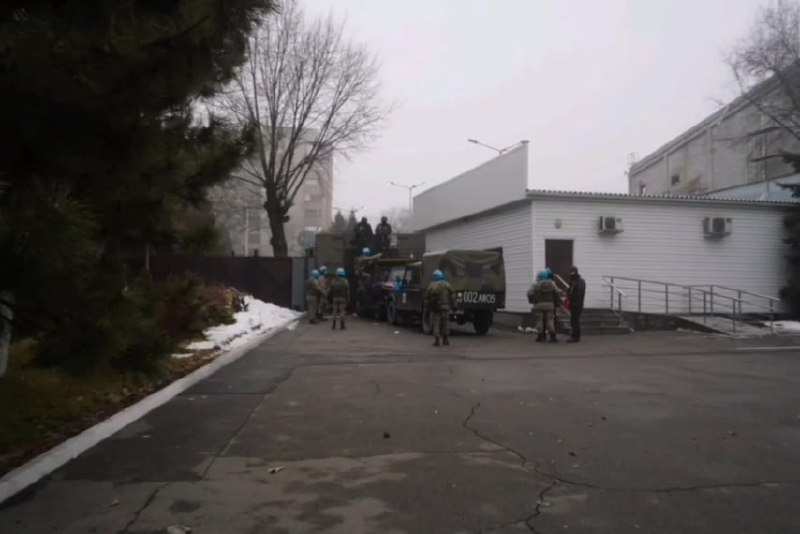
(576, 295)
(383, 235)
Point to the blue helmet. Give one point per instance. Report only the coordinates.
(323, 270)
(315, 274)
(438, 275)
(341, 273)
(366, 251)
(543, 275)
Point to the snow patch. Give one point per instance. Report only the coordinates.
(259, 318)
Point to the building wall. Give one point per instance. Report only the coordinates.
(663, 241)
(500, 180)
(716, 156)
(510, 229)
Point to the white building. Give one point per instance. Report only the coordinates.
(656, 238)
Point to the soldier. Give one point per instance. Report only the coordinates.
(340, 292)
(363, 234)
(313, 295)
(383, 235)
(576, 296)
(324, 283)
(440, 299)
(545, 296)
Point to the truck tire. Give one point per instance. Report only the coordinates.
(391, 313)
(482, 322)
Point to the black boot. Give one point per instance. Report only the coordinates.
(446, 341)
(553, 338)
(343, 327)
(540, 338)
(333, 325)
(436, 342)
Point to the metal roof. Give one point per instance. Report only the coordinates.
(542, 193)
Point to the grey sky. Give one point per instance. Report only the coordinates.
(586, 81)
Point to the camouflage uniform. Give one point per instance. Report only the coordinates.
(440, 299)
(340, 292)
(545, 295)
(324, 284)
(313, 295)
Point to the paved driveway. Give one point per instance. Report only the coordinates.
(373, 430)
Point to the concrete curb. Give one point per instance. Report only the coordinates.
(20, 478)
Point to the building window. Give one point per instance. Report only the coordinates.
(675, 179)
(642, 189)
(313, 213)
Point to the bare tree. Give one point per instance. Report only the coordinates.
(309, 93)
(766, 65)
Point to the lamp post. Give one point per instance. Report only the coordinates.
(410, 191)
(500, 151)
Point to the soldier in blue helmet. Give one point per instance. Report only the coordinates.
(313, 296)
(440, 299)
(340, 293)
(545, 297)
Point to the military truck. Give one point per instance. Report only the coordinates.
(374, 293)
(336, 250)
(477, 276)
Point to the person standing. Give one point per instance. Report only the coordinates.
(544, 295)
(324, 283)
(363, 234)
(313, 296)
(383, 235)
(440, 299)
(576, 296)
(340, 293)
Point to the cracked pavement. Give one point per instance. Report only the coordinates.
(369, 430)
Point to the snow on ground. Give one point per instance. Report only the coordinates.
(786, 327)
(260, 318)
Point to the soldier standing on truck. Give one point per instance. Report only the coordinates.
(545, 297)
(340, 292)
(363, 234)
(383, 235)
(313, 296)
(440, 299)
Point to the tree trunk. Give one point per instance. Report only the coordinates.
(280, 249)
(6, 315)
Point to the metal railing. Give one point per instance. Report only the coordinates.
(565, 288)
(652, 296)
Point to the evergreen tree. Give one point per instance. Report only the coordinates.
(99, 146)
(339, 225)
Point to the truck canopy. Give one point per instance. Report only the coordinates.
(467, 270)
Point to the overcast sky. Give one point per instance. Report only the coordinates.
(586, 81)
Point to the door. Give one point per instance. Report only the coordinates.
(558, 256)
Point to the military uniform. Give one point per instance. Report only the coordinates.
(324, 284)
(544, 295)
(313, 295)
(440, 299)
(340, 293)
(383, 236)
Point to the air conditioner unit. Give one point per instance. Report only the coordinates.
(717, 226)
(609, 225)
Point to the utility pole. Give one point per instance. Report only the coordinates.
(410, 189)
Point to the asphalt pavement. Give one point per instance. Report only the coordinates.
(373, 430)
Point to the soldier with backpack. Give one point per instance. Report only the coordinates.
(440, 299)
(545, 297)
(340, 293)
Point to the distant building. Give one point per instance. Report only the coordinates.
(239, 209)
(734, 146)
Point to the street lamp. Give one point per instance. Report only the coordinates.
(410, 190)
(500, 151)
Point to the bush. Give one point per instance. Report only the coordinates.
(140, 327)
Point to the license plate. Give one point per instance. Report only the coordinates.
(476, 297)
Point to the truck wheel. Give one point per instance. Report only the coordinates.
(391, 313)
(427, 325)
(482, 322)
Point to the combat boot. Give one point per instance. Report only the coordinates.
(553, 338)
(343, 327)
(540, 337)
(333, 324)
(436, 342)
(446, 341)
